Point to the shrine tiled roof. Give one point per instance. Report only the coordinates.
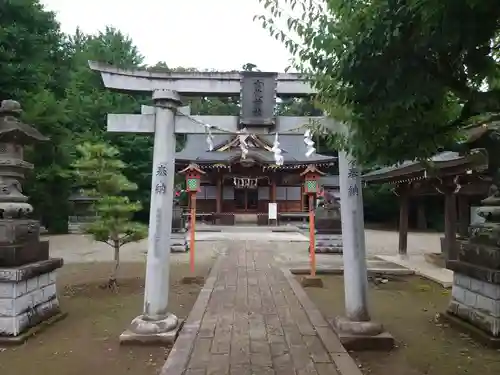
(440, 161)
(292, 146)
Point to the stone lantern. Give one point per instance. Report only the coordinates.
(27, 274)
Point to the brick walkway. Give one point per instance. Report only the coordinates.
(253, 318)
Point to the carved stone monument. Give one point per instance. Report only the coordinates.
(178, 239)
(28, 293)
(328, 225)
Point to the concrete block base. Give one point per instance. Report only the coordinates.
(477, 302)
(28, 296)
(476, 333)
(33, 331)
(312, 282)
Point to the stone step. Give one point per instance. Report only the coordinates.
(179, 242)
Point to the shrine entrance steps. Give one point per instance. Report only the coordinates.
(254, 318)
(245, 219)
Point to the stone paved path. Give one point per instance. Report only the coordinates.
(253, 318)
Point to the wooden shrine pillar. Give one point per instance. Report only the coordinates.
(273, 189)
(463, 215)
(404, 210)
(450, 223)
(218, 200)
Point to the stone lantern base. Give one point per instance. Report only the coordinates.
(28, 297)
(179, 242)
(476, 300)
(328, 229)
(330, 243)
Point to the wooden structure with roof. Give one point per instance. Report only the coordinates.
(458, 178)
(233, 184)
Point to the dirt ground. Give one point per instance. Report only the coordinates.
(86, 342)
(407, 307)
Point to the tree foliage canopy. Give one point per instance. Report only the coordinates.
(405, 74)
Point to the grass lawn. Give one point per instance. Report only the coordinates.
(407, 307)
(86, 342)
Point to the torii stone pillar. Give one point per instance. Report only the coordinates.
(356, 330)
(156, 323)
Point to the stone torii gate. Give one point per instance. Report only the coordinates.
(258, 92)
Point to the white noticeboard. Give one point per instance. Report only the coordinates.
(272, 211)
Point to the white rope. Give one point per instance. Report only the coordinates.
(278, 158)
(210, 137)
(309, 143)
(243, 135)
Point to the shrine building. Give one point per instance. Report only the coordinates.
(239, 189)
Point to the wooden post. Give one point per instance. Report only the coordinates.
(273, 189)
(193, 229)
(312, 230)
(404, 201)
(273, 197)
(450, 224)
(219, 194)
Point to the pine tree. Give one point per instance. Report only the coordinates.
(99, 170)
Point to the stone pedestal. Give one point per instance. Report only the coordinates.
(328, 226)
(328, 243)
(178, 237)
(28, 296)
(179, 242)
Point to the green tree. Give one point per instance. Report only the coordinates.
(100, 170)
(48, 186)
(405, 74)
(33, 53)
(89, 103)
(34, 69)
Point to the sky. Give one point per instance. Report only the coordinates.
(213, 34)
